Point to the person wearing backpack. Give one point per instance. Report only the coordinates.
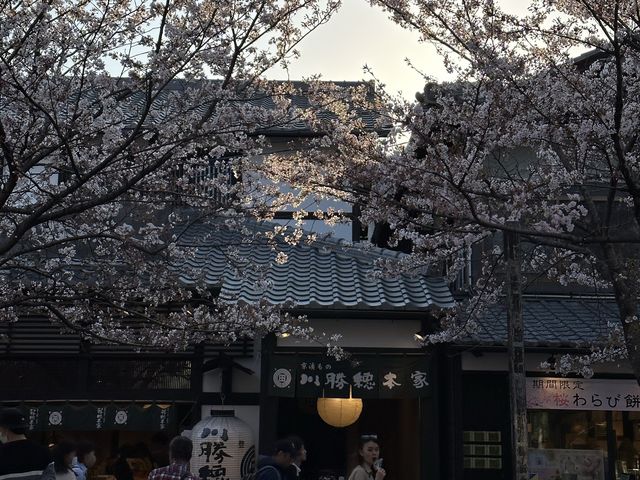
(275, 467)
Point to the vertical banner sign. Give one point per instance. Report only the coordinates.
(34, 418)
(383, 376)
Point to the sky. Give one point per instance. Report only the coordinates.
(360, 34)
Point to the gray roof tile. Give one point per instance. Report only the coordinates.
(164, 105)
(327, 273)
(570, 322)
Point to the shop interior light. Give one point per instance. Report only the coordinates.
(339, 412)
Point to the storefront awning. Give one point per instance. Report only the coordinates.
(364, 376)
(133, 416)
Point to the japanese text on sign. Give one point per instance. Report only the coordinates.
(215, 451)
(362, 376)
(582, 394)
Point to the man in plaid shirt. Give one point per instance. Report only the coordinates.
(180, 450)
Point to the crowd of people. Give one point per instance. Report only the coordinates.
(289, 453)
(22, 459)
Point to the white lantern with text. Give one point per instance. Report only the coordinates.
(223, 447)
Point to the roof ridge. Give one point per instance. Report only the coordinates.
(341, 245)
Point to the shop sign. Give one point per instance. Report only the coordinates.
(136, 417)
(223, 448)
(383, 376)
(582, 394)
(570, 464)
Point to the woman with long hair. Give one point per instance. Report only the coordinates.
(63, 454)
(370, 465)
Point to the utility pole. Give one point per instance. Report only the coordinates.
(515, 348)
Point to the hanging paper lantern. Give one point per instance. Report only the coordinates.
(339, 412)
(223, 447)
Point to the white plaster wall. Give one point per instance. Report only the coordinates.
(341, 231)
(247, 413)
(311, 204)
(241, 381)
(377, 333)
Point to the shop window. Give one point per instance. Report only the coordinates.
(141, 374)
(569, 445)
(575, 442)
(39, 375)
(626, 426)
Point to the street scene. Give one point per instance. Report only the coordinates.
(319, 240)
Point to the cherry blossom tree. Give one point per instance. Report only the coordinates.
(121, 124)
(535, 135)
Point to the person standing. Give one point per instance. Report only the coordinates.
(20, 458)
(86, 458)
(275, 467)
(64, 453)
(119, 467)
(369, 456)
(160, 450)
(180, 451)
(293, 472)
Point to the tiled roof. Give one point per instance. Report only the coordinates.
(553, 322)
(163, 105)
(323, 274)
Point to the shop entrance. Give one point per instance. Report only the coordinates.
(130, 439)
(332, 452)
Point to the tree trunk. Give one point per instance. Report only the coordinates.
(625, 289)
(515, 346)
(628, 307)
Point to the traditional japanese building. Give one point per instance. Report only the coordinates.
(332, 283)
(578, 427)
(117, 397)
(439, 412)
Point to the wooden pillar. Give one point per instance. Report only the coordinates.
(451, 413)
(430, 427)
(197, 383)
(268, 404)
(515, 349)
(612, 445)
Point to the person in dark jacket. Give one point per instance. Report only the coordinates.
(20, 458)
(275, 467)
(120, 467)
(293, 472)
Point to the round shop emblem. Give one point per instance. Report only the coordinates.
(55, 418)
(121, 417)
(282, 378)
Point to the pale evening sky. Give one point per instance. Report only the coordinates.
(360, 34)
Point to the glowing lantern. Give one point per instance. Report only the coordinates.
(339, 412)
(222, 441)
